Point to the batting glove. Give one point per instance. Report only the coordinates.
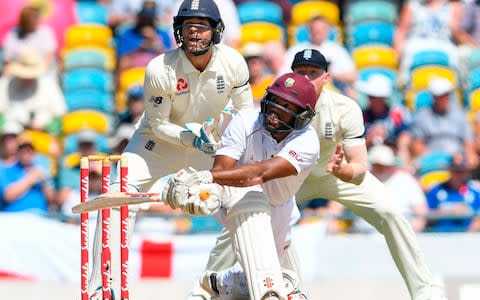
(206, 199)
(177, 190)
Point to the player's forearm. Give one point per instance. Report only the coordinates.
(172, 133)
(350, 172)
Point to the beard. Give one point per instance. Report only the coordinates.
(196, 45)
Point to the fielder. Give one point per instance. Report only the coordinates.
(192, 83)
(341, 175)
(262, 161)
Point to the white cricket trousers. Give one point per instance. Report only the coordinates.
(370, 201)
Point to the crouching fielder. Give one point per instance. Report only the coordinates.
(261, 162)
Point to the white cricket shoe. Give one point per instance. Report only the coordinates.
(232, 285)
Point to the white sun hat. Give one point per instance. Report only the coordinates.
(382, 155)
(439, 86)
(377, 85)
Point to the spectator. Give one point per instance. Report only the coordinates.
(426, 25)
(456, 200)
(138, 45)
(341, 65)
(28, 98)
(9, 143)
(259, 80)
(123, 12)
(468, 36)
(29, 34)
(135, 106)
(469, 29)
(25, 185)
(274, 53)
(444, 127)
(403, 187)
(94, 189)
(69, 171)
(385, 123)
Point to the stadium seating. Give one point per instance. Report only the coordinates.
(43, 142)
(420, 77)
(131, 77)
(261, 32)
(97, 58)
(304, 11)
(473, 59)
(428, 180)
(260, 11)
(430, 57)
(74, 121)
(90, 99)
(435, 161)
(375, 56)
(474, 100)
(90, 79)
(91, 12)
(473, 80)
(370, 10)
(371, 33)
(85, 35)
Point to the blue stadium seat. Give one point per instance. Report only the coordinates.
(86, 58)
(434, 161)
(473, 59)
(375, 10)
(473, 82)
(260, 11)
(90, 99)
(371, 33)
(430, 57)
(91, 12)
(87, 79)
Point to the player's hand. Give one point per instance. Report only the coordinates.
(177, 190)
(206, 199)
(336, 159)
(197, 136)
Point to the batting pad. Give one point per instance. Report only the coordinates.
(249, 222)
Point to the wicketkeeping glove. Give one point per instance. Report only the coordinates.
(196, 136)
(177, 190)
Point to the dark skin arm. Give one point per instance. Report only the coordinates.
(225, 171)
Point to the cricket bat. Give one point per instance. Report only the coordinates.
(115, 199)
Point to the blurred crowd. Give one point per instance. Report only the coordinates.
(413, 66)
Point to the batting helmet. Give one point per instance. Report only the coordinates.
(201, 9)
(296, 89)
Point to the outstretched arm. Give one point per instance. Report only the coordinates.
(226, 172)
(353, 168)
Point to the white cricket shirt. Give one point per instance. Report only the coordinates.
(247, 141)
(338, 119)
(176, 93)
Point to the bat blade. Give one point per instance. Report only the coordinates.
(115, 199)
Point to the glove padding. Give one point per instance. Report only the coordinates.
(177, 190)
(200, 139)
(206, 199)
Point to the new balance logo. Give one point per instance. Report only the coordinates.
(150, 145)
